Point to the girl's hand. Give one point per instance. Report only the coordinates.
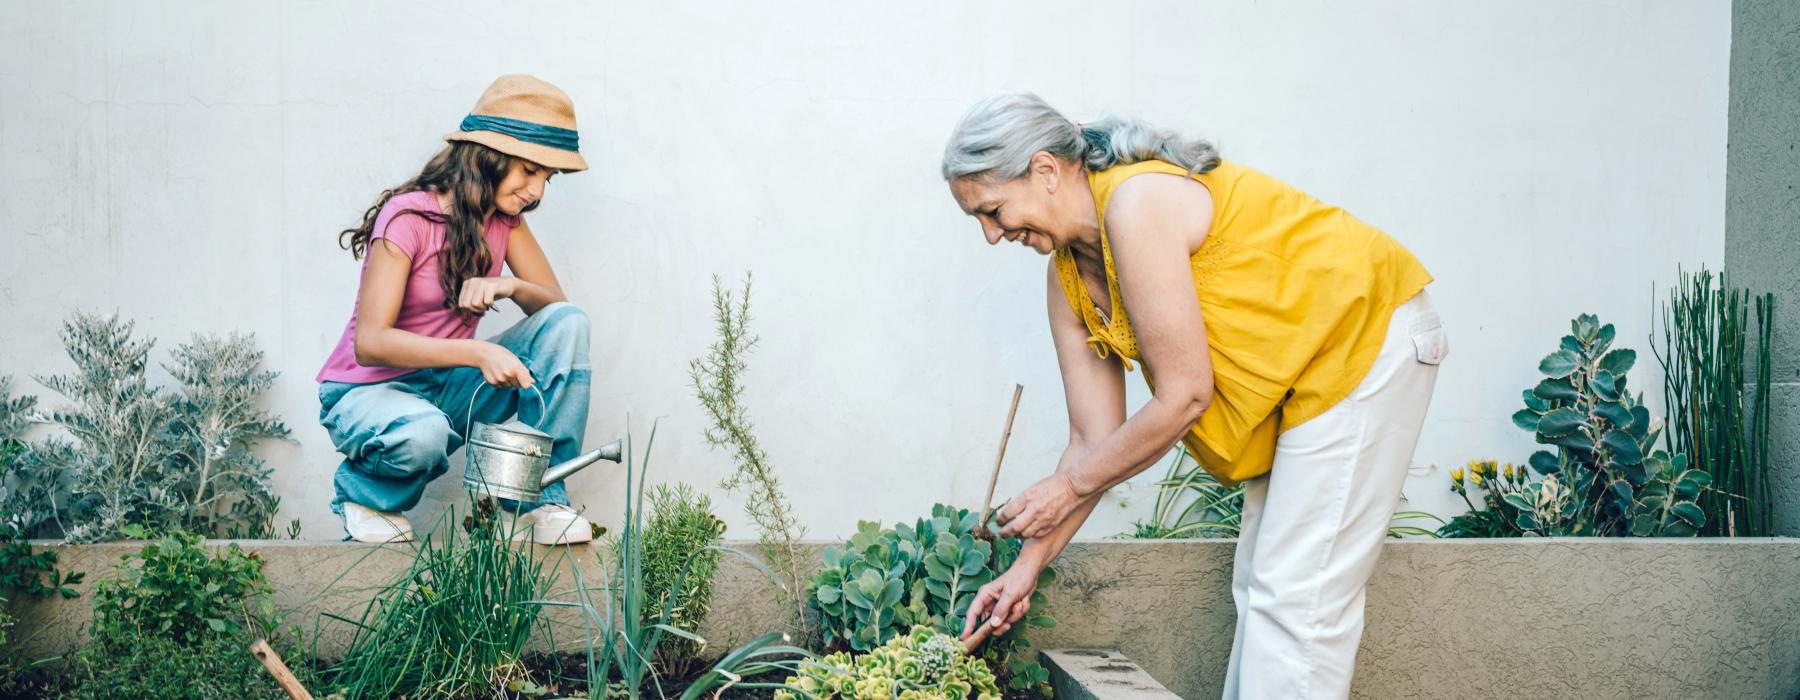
(503, 369)
(1005, 599)
(480, 293)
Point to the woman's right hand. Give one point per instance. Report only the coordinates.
(502, 369)
(1005, 599)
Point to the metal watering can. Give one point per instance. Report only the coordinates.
(513, 460)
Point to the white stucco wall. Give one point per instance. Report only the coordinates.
(190, 164)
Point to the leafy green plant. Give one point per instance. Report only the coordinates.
(717, 381)
(457, 622)
(144, 455)
(176, 621)
(884, 581)
(174, 588)
(25, 572)
(215, 666)
(923, 664)
(1191, 503)
(630, 637)
(681, 536)
(1604, 479)
(1715, 414)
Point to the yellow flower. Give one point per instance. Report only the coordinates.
(1456, 475)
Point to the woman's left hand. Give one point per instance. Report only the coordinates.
(1039, 509)
(480, 293)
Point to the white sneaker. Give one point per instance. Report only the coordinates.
(374, 526)
(552, 524)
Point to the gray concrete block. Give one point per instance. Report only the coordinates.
(1100, 674)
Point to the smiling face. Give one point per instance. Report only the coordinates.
(522, 187)
(1041, 210)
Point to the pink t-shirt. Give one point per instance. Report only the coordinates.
(422, 310)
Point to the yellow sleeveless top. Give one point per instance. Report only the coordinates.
(1296, 295)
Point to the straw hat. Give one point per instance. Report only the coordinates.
(522, 116)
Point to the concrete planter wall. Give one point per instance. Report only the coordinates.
(1575, 618)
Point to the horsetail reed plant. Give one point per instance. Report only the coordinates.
(1713, 416)
(625, 638)
(456, 623)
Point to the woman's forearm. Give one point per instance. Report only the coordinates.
(1136, 445)
(1040, 551)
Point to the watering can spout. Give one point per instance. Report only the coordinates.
(612, 452)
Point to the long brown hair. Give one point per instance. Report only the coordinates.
(470, 173)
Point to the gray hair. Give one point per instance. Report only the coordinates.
(998, 136)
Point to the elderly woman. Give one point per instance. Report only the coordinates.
(1289, 345)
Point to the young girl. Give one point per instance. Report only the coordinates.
(396, 392)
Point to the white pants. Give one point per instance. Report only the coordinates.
(1314, 525)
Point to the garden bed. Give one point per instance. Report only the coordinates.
(1532, 617)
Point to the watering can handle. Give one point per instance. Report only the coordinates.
(468, 427)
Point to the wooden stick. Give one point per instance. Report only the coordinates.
(980, 635)
(994, 479)
(283, 677)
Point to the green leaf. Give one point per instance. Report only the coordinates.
(1559, 364)
(1690, 483)
(1517, 501)
(890, 594)
(216, 624)
(1689, 514)
(973, 561)
(1644, 525)
(829, 594)
(1570, 344)
(1556, 390)
(1603, 386)
(1526, 419)
(1604, 339)
(1044, 621)
(1574, 441)
(1619, 361)
(1545, 463)
(1623, 449)
(1533, 402)
(1526, 521)
(1560, 422)
(1615, 413)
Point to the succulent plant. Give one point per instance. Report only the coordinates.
(923, 664)
(885, 581)
(1604, 477)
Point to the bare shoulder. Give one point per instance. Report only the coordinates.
(1160, 204)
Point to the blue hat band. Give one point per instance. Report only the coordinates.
(529, 132)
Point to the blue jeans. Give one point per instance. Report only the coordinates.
(397, 435)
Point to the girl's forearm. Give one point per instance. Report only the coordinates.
(392, 347)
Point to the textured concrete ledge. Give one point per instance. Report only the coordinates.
(1100, 674)
(1574, 618)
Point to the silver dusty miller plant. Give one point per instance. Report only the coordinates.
(27, 491)
(141, 454)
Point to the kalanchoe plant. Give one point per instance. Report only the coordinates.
(923, 664)
(885, 581)
(1604, 477)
